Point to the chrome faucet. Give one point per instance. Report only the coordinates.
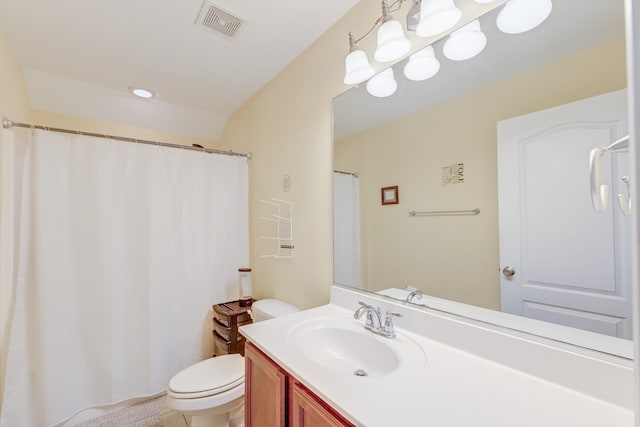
(374, 321)
(417, 294)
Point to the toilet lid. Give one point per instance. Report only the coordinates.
(211, 376)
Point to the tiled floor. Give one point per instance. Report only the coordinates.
(169, 417)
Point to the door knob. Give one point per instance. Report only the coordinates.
(509, 271)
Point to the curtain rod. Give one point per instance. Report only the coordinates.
(346, 173)
(6, 123)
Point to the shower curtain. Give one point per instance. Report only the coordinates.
(346, 230)
(112, 254)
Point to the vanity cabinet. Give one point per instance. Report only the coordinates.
(265, 390)
(308, 410)
(273, 397)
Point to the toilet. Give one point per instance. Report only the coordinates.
(212, 391)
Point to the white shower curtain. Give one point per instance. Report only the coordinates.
(112, 254)
(346, 230)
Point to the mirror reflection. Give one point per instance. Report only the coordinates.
(491, 155)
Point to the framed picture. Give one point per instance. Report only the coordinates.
(389, 195)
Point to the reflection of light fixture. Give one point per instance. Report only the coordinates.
(413, 17)
(465, 43)
(422, 65)
(356, 64)
(392, 43)
(382, 84)
(140, 92)
(437, 16)
(518, 16)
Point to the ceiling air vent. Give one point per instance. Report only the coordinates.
(214, 18)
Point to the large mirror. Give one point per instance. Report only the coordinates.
(491, 162)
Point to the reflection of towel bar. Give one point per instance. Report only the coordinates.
(475, 211)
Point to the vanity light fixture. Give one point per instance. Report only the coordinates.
(392, 42)
(519, 16)
(436, 17)
(141, 93)
(465, 43)
(382, 84)
(430, 18)
(358, 68)
(422, 65)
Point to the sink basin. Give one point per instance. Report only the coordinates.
(344, 346)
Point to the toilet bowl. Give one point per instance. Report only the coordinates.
(212, 391)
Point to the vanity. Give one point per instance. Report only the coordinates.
(439, 370)
(274, 397)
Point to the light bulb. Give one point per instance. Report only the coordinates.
(437, 16)
(422, 65)
(465, 43)
(141, 93)
(519, 16)
(392, 43)
(382, 84)
(357, 68)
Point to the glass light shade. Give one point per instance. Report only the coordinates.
(437, 16)
(382, 84)
(519, 16)
(484, 1)
(392, 43)
(357, 68)
(422, 65)
(465, 43)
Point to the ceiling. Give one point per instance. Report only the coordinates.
(80, 56)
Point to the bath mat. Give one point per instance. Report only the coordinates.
(145, 414)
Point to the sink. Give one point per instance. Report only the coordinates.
(344, 346)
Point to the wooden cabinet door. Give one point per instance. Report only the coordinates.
(307, 410)
(265, 390)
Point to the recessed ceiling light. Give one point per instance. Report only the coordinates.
(142, 93)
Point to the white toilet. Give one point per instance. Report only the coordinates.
(212, 391)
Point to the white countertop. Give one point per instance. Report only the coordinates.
(451, 388)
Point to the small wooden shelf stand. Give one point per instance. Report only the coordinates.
(227, 317)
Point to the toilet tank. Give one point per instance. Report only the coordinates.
(269, 308)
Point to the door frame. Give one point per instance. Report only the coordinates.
(633, 83)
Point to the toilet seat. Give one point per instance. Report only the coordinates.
(208, 378)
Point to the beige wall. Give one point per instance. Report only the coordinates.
(287, 127)
(455, 257)
(13, 93)
(13, 105)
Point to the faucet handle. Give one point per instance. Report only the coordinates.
(388, 324)
(364, 304)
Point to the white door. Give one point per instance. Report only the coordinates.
(561, 261)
